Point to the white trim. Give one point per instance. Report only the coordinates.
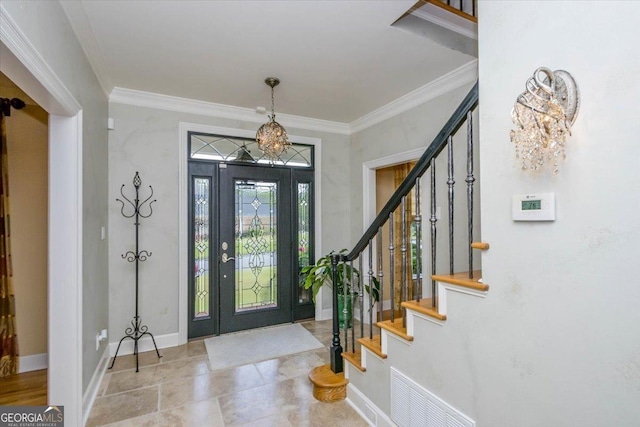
(24, 51)
(34, 362)
(442, 294)
(91, 392)
(183, 218)
(382, 419)
(145, 344)
(445, 19)
(65, 265)
(79, 22)
(210, 109)
(465, 74)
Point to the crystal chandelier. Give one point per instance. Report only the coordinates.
(543, 116)
(272, 136)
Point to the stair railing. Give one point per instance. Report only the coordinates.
(373, 285)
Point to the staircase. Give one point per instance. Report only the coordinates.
(379, 372)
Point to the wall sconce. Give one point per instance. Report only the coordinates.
(543, 115)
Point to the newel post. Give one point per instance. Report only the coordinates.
(336, 349)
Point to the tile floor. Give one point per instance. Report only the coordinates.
(180, 390)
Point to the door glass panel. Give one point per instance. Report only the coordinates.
(236, 149)
(201, 227)
(256, 285)
(304, 236)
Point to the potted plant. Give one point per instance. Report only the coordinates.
(315, 276)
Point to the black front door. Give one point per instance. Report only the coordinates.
(249, 223)
(255, 243)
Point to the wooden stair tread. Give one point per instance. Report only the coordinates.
(396, 328)
(374, 345)
(327, 385)
(452, 9)
(462, 279)
(355, 359)
(425, 306)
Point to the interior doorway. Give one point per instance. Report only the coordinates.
(27, 155)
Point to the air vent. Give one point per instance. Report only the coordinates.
(414, 406)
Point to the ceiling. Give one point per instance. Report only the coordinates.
(337, 60)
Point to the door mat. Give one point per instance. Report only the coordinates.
(242, 348)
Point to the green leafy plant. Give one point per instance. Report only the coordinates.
(315, 276)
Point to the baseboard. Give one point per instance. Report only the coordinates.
(367, 409)
(145, 344)
(90, 394)
(325, 314)
(35, 362)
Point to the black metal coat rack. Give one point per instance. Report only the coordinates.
(137, 330)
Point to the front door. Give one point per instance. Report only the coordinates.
(251, 233)
(255, 243)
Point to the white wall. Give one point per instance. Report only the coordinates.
(147, 140)
(47, 29)
(557, 340)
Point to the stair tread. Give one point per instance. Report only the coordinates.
(396, 328)
(355, 359)
(374, 345)
(323, 376)
(425, 306)
(462, 279)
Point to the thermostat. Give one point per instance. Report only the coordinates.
(534, 207)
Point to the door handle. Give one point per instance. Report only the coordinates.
(227, 258)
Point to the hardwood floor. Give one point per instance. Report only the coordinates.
(29, 388)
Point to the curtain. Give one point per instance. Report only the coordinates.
(400, 172)
(8, 339)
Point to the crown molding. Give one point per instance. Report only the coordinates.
(465, 74)
(81, 26)
(192, 106)
(25, 52)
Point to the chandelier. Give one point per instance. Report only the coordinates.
(543, 116)
(272, 136)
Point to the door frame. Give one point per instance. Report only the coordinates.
(24, 65)
(183, 217)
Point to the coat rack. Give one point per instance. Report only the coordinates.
(136, 330)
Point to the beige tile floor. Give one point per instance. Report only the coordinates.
(180, 390)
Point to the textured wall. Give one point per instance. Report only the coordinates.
(557, 341)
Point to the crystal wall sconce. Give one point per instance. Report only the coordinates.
(543, 115)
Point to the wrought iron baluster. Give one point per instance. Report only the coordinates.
(380, 273)
(403, 251)
(353, 297)
(392, 268)
(470, 180)
(361, 286)
(418, 252)
(433, 219)
(371, 304)
(450, 183)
